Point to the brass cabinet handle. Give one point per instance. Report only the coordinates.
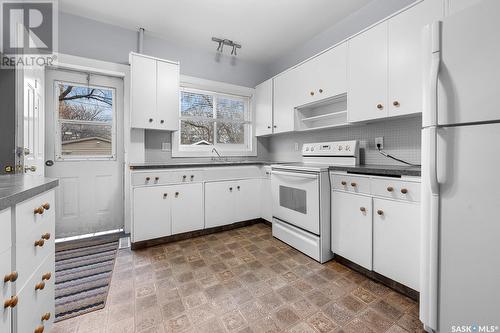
(404, 191)
(40, 286)
(380, 212)
(12, 277)
(46, 236)
(39, 210)
(39, 329)
(11, 302)
(343, 182)
(395, 103)
(46, 206)
(46, 316)
(363, 209)
(39, 242)
(353, 184)
(380, 106)
(390, 189)
(46, 276)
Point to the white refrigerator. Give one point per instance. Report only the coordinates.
(460, 250)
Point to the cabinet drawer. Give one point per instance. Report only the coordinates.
(166, 177)
(33, 304)
(396, 189)
(5, 230)
(351, 183)
(30, 225)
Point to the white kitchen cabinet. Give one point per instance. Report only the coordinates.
(352, 227)
(396, 237)
(264, 108)
(367, 75)
(154, 93)
(405, 56)
(187, 207)
(266, 196)
(151, 213)
(5, 268)
(285, 100)
(229, 202)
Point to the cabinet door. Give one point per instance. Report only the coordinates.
(247, 200)
(167, 98)
(367, 75)
(352, 227)
(266, 200)
(220, 203)
(396, 237)
(405, 56)
(143, 92)
(152, 218)
(5, 291)
(187, 207)
(286, 99)
(329, 73)
(264, 108)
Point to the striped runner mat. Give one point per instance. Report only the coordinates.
(83, 274)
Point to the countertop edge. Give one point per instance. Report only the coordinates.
(27, 193)
(379, 170)
(194, 165)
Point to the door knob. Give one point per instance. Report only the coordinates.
(30, 168)
(49, 163)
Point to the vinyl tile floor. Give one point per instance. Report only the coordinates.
(241, 280)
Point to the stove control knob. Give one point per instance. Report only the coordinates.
(312, 148)
(340, 148)
(307, 148)
(348, 148)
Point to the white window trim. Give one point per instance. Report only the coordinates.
(249, 149)
(58, 143)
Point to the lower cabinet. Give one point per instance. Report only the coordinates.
(151, 212)
(352, 227)
(161, 211)
(396, 237)
(266, 200)
(5, 292)
(228, 202)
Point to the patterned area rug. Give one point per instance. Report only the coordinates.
(83, 274)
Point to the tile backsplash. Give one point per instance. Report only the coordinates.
(402, 138)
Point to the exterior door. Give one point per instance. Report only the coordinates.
(84, 150)
(33, 121)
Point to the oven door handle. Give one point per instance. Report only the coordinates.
(294, 174)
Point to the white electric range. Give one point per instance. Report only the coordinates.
(301, 196)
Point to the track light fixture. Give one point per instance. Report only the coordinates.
(221, 42)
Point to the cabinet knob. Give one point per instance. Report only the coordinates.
(380, 212)
(230, 189)
(321, 91)
(40, 286)
(354, 184)
(380, 106)
(192, 177)
(395, 103)
(238, 187)
(148, 179)
(343, 182)
(363, 209)
(39, 242)
(46, 206)
(150, 120)
(46, 236)
(275, 126)
(390, 189)
(176, 194)
(11, 302)
(165, 195)
(39, 329)
(39, 210)
(162, 121)
(268, 126)
(404, 190)
(46, 276)
(12, 277)
(312, 93)
(157, 178)
(46, 316)
(184, 177)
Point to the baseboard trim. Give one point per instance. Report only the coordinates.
(401, 288)
(196, 233)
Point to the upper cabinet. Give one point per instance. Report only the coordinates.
(385, 65)
(154, 93)
(318, 79)
(264, 108)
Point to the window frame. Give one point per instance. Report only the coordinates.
(217, 90)
(59, 157)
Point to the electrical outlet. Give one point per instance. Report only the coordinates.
(165, 146)
(379, 141)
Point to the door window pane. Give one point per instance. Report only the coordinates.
(293, 198)
(196, 132)
(85, 139)
(85, 103)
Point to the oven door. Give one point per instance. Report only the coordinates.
(296, 198)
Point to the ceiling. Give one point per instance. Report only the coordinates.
(267, 29)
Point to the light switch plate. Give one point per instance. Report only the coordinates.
(166, 146)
